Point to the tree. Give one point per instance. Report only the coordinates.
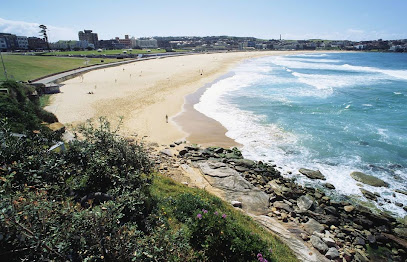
(43, 31)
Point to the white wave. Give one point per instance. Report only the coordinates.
(314, 60)
(311, 55)
(397, 93)
(402, 74)
(298, 64)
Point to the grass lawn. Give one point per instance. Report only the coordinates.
(165, 190)
(106, 52)
(23, 68)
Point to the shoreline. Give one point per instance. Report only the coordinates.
(200, 128)
(143, 93)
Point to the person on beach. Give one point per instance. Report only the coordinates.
(166, 118)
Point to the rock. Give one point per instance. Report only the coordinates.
(192, 148)
(218, 150)
(172, 145)
(401, 191)
(232, 156)
(182, 152)
(401, 232)
(57, 127)
(332, 253)
(166, 152)
(184, 183)
(398, 204)
(216, 164)
(245, 162)
(178, 143)
(368, 194)
(241, 168)
(305, 202)
(304, 236)
(349, 208)
(329, 186)
(331, 210)
(284, 217)
(313, 226)
(312, 174)
(405, 208)
(368, 179)
(236, 203)
(329, 241)
(282, 205)
(319, 244)
(359, 241)
(371, 238)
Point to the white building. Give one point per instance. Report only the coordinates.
(144, 43)
(22, 42)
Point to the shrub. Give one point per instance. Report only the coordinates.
(221, 238)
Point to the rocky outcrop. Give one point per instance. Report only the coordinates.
(342, 225)
(368, 179)
(312, 174)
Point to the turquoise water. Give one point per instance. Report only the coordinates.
(336, 112)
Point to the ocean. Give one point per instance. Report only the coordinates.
(335, 112)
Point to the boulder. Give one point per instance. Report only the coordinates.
(349, 208)
(245, 162)
(329, 186)
(282, 205)
(305, 202)
(329, 241)
(368, 179)
(332, 253)
(368, 194)
(167, 152)
(313, 226)
(319, 244)
(312, 174)
(182, 152)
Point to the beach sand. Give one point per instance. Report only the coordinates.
(143, 93)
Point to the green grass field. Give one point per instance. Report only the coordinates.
(27, 67)
(106, 52)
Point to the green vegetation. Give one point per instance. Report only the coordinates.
(23, 109)
(27, 67)
(99, 200)
(106, 52)
(45, 100)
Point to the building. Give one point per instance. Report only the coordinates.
(22, 42)
(145, 43)
(35, 43)
(3, 44)
(126, 42)
(11, 40)
(87, 35)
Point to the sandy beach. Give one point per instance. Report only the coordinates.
(144, 93)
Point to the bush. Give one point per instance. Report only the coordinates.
(221, 238)
(22, 109)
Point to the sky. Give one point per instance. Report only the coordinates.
(266, 19)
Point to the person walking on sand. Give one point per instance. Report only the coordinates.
(166, 118)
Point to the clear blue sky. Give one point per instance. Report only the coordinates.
(294, 19)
